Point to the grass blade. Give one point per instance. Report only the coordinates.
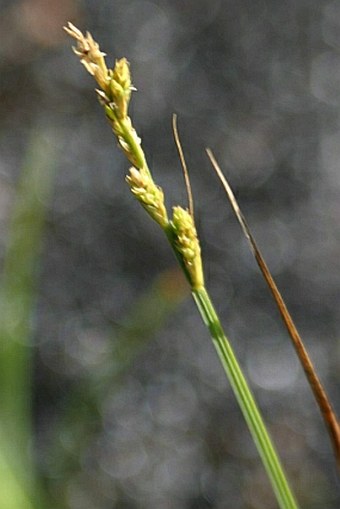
(17, 293)
(326, 409)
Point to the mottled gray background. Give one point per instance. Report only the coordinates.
(259, 82)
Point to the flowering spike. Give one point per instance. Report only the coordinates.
(114, 93)
(188, 246)
(149, 195)
(91, 57)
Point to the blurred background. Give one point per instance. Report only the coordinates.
(111, 394)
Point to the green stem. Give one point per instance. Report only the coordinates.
(246, 401)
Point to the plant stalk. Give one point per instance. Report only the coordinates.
(246, 401)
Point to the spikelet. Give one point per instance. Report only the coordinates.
(114, 93)
(187, 244)
(149, 195)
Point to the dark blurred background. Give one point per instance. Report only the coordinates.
(258, 82)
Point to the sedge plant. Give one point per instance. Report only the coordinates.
(114, 94)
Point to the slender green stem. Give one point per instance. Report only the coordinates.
(246, 401)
